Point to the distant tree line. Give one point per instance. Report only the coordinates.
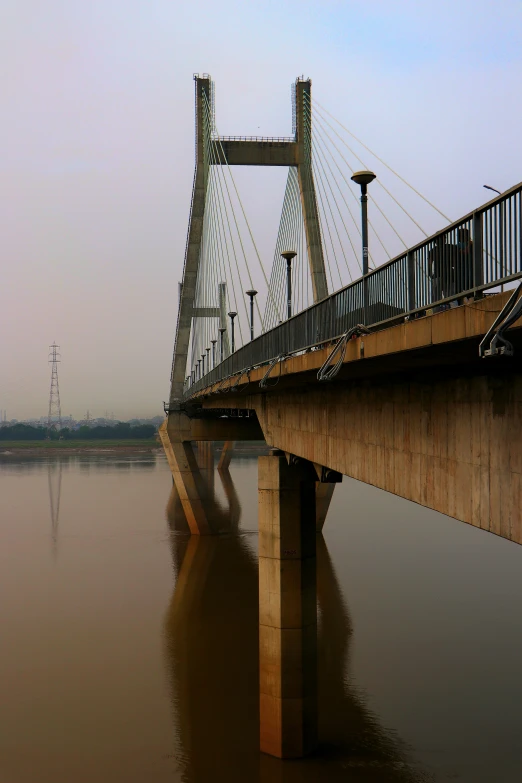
(121, 431)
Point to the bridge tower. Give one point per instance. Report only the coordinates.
(262, 151)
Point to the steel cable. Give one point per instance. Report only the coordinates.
(384, 163)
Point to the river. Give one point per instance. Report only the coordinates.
(129, 652)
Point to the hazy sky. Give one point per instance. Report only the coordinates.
(97, 154)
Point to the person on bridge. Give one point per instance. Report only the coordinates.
(439, 271)
(464, 266)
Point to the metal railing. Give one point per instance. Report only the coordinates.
(480, 251)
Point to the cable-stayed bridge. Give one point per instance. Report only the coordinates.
(320, 221)
(375, 345)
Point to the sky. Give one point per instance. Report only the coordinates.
(97, 154)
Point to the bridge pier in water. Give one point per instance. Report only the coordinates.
(205, 461)
(292, 506)
(177, 434)
(287, 607)
(226, 455)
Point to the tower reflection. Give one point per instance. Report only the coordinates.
(211, 632)
(54, 478)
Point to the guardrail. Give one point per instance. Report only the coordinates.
(480, 251)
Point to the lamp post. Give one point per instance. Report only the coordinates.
(363, 178)
(202, 365)
(208, 359)
(488, 187)
(222, 331)
(199, 370)
(213, 353)
(289, 255)
(251, 294)
(193, 374)
(187, 380)
(232, 315)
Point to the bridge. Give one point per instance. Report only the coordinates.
(405, 375)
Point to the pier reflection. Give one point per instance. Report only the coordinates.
(211, 633)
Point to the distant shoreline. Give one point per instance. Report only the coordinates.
(39, 448)
(32, 448)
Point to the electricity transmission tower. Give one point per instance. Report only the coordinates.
(54, 417)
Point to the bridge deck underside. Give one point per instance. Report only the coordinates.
(419, 416)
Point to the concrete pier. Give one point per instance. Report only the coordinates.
(205, 461)
(323, 498)
(226, 455)
(287, 608)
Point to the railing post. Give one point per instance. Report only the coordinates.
(478, 251)
(410, 259)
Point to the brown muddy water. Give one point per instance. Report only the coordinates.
(128, 652)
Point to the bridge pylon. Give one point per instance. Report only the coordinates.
(295, 150)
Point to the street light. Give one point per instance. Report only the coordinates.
(213, 353)
(199, 370)
(222, 331)
(208, 359)
(363, 178)
(488, 187)
(232, 315)
(289, 255)
(251, 294)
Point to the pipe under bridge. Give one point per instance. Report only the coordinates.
(407, 378)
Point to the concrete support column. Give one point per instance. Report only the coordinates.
(206, 462)
(287, 608)
(187, 478)
(226, 455)
(323, 497)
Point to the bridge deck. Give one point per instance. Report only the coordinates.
(413, 411)
(421, 341)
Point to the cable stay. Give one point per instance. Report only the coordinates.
(217, 141)
(378, 181)
(383, 162)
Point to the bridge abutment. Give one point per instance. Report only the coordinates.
(287, 608)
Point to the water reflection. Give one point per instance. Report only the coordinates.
(221, 520)
(54, 478)
(18, 463)
(211, 632)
